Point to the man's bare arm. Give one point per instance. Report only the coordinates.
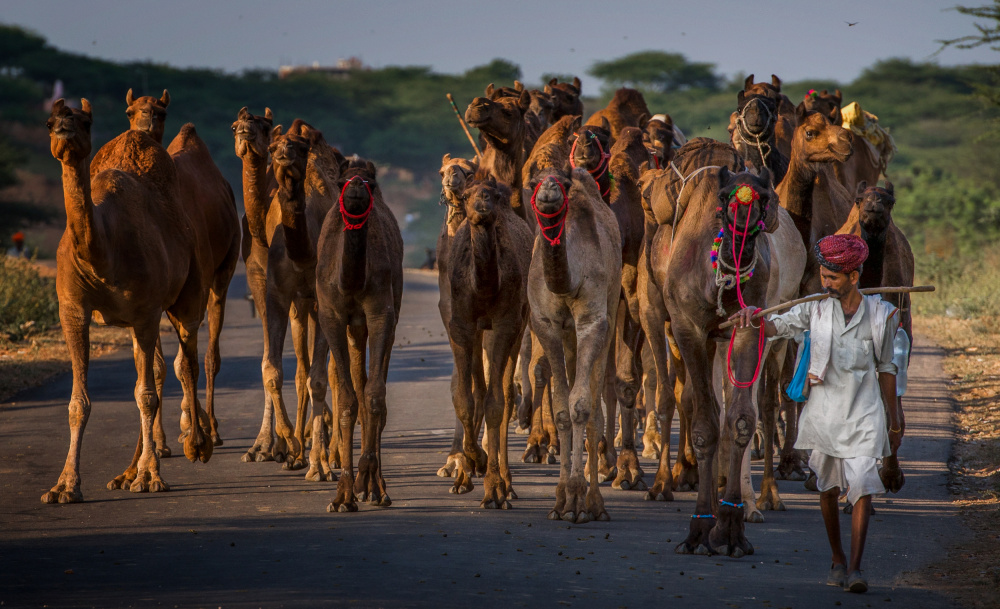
(887, 383)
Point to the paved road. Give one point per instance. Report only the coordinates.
(230, 534)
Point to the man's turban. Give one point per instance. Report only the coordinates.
(841, 253)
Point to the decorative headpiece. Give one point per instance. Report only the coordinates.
(841, 253)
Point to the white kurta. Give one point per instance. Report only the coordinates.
(844, 416)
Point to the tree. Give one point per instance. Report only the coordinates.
(988, 34)
(656, 71)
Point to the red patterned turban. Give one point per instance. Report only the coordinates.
(841, 253)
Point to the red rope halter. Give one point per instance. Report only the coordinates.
(762, 338)
(363, 216)
(560, 224)
(602, 167)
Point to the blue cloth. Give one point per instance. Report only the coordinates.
(797, 388)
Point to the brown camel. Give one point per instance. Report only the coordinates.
(889, 263)
(456, 174)
(573, 288)
(208, 200)
(591, 150)
(626, 109)
(752, 131)
(489, 258)
(866, 164)
(130, 284)
(825, 103)
(553, 148)
(359, 285)
(786, 120)
(565, 98)
(658, 136)
(500, 120)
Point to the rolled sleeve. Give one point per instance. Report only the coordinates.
(793, 322)
(885, 363)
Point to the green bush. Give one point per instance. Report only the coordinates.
(28, 301)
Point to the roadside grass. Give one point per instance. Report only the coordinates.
(27, 299)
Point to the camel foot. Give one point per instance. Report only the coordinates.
(571, 506)
(463, 476)
(294, 464)
(789, 469)
(148, 482)
(370, 485)
(697, 539)
(769, 500)
(536, 453)
(522, 431)
(752, 514)
(606, 458)
(122, 481)
(216, 440)
(344, 501)
(481, 461)
(163, 451)
(685, 476)
(511, 495)
(319, 455)
(629, 473)
(285, 448)
(727, 537)
(891, 474)
(495, 493)
(650, 450)
(812, 483)
(198, 447)
(450, 467)
(757, 449)
(595, 505)
(64, 492)
(661, 489)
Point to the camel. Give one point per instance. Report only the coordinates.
(889, 263)
(658, 136)
(359, 288)
(785, 122)
(565, 98)
(592, 151)
(489, 257)
(456, 174)
(500, 120)
(131, 284)
(208, 200)
(573, 286)
(826, 103)
(752, 131)
(626, 109)
(553, 148)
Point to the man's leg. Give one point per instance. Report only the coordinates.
(831, 518)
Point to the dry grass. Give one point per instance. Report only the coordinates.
(971, 572)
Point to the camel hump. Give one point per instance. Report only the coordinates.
(187, 140)
(135, 152)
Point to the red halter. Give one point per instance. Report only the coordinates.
(744, 195)
(560, 224)
(601, 168)
(363, 216)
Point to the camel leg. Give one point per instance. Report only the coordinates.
(213, 362)
(658, 397)
(319, 454)
(286, 446)
(686, 466)
(525, 408)
(370, 485)
(652, 440)
(607, 457)
(510, 400)
(299, 318)
(160, 376)
(593, 340)
(479, 391)
(789, 466)
(455, 454)
(627, 362)
(769, 498)
(499, 344)
(538, 449)
(198, 444)
(464, 346)
(346, 416)
(256, 281)
(330, 417)
(552, 342)
(76, 331)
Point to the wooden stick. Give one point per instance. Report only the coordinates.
(814, 297)
(479, 155)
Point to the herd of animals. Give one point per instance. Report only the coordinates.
(580, 263)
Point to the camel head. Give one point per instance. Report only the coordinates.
(757, 110)
(658, 136)
(875, 207)
(499, 113)
(825, 103)
(565, 98)
(455, 175)
(591, 146)
(550, 189)
(69, 131)
(148, 113)
(253, 133)
(357, 186)
(484, 199)
(747, 201)
(542, 105)
(817, 140)
(771, 89)
(289, 158)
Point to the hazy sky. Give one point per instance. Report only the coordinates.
(796, 39)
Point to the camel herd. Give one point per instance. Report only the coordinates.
(580, 263)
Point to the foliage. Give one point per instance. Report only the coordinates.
(656, 71)
(27, 300)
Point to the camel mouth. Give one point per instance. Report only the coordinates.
(284, 161)
(64, 134)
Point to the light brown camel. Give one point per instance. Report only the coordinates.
(500, 120)
(489, 258)
(565, 98)
(573, 288)
(456, 174)
(658, 135)
(626, 109)
(208, 200)
(889, 263)
(359, 285)
(786, 120)
(130, 284)
(591, 150)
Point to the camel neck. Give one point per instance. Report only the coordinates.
(871, 271)
(485, 274)
(455, 213)
(353, 262)
(504, 159)
(80, 211)
(255, 196)
(298, 245)
(755, 156)
(555, 266)
(797, 196)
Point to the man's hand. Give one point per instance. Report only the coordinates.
(895, 440)
(744, 317)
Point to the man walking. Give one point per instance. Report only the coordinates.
(852, 394)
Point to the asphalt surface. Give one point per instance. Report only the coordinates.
(236, 535)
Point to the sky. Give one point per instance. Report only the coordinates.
(795, 39)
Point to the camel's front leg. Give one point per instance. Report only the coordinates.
(299, 321)
(286, 447)
(630, 474)
(160, 376)
(76, 331)
(498, 344)
(593, 340)
(727, 537)
(319, 454)
(661, 400)
(550, 338)
(464, 345)
(370, 485)
(335, 331)
(198, 444)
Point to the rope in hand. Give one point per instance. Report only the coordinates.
(602, 166)
(561, 223)
(762, 337)
(363, 217)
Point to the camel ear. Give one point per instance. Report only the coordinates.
(524, 102)
(605, 124)
(577, 120)
(800, 112)
(129, 98)
(446, 158)
(776, 82)
(766, 176)
(748, 83)
(643, 168)
(740, 96)
(518, 85)
(165, 98)
(85, 106)
(577, 84)
(888, 188)
(553, 82)
(862, 187)
(838, 96)
(644, 119)
(489, 91)
(371, 167)
(724, 176)
(244, 111)
(276, 132)
(548, 89)
(268, 115)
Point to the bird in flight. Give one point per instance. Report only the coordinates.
(849, 24)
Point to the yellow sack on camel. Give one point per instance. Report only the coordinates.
(866, 125)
